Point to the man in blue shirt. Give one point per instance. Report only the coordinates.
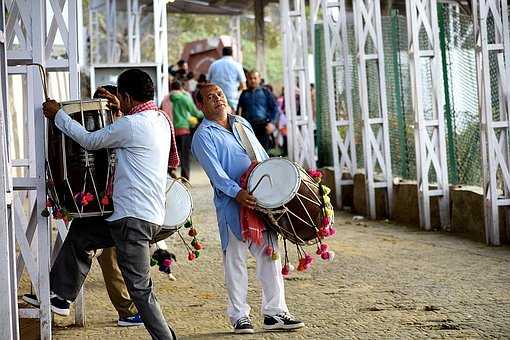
(219, 150)
(258, 105)
(228, 75)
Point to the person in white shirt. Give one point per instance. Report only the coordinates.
(229, 75)
(142, 142)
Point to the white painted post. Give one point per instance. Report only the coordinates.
(9, 324)
(38, 17)
(494, 43)
(111, 31)
(235, 29)
(429, 126)
(133, 12)
(376, 146)
(300, 140)
(161, 48)
(337, 65)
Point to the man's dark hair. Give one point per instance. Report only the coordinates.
(110, 88)
(137, 84)
(202, 78)
(175, 85)
(190, 75)
(227, 50)
(199, 97)
(181, 63)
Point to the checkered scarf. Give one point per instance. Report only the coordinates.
(173, 158)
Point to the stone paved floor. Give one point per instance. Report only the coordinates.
(386, 282)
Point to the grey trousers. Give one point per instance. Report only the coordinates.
(131, 237)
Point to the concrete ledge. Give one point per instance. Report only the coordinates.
(359, 198)
(329, 180)
(467, 214)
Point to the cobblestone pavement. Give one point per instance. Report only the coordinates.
(386, 282)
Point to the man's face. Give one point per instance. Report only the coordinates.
(253, 80)
(215, 104)
(125, 102)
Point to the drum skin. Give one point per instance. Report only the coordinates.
(74, 156)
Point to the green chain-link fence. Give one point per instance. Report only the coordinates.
(460, 88)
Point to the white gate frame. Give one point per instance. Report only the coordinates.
(376, 144)
(133, 12)
(235, 32)
(161, 48)
(338, 80)
(430, 146)
(9, 323)
(494, 148)
(134, 48)
(27, 42)
(300, 140)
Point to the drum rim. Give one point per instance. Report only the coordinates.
(188, 193)
(294, 190)
(102, 104)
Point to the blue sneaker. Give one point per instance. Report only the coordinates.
(135, 320)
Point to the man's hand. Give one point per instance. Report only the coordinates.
(246, 200)
(50, 108)
(113, 101)
(172, 173)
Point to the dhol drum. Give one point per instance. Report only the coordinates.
(179, 204)
(80, 181)
(289, 199)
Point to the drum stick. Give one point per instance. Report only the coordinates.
(260, 180)
(42, 73)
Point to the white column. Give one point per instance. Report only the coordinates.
(161, 48)
(429, 129)
(376, 146)
(493, 44)
(9, 324)
(235, 29)
(301, 145)
(338, 77)
(133, 12)
(111, 31)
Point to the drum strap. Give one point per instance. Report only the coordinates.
(245, 141)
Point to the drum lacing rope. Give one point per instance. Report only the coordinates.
(87, 169)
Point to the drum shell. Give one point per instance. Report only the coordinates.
(66, 158)
(289, 223)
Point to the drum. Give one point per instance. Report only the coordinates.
(80, 181)
(179, 204)
(289, 199)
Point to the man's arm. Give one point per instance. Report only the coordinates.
(115, 135)
(192, 108)
(241, 107)
(204, 150)
(241, 77)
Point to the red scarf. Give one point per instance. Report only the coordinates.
(252, 225)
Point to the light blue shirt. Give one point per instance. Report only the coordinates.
(227, 74)
(221, 154)
(142, 149)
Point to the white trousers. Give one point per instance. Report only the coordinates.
(269, 273)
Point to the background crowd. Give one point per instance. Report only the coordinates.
(247, 93)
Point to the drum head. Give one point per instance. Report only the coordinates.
(280, 189)
(179, 204)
